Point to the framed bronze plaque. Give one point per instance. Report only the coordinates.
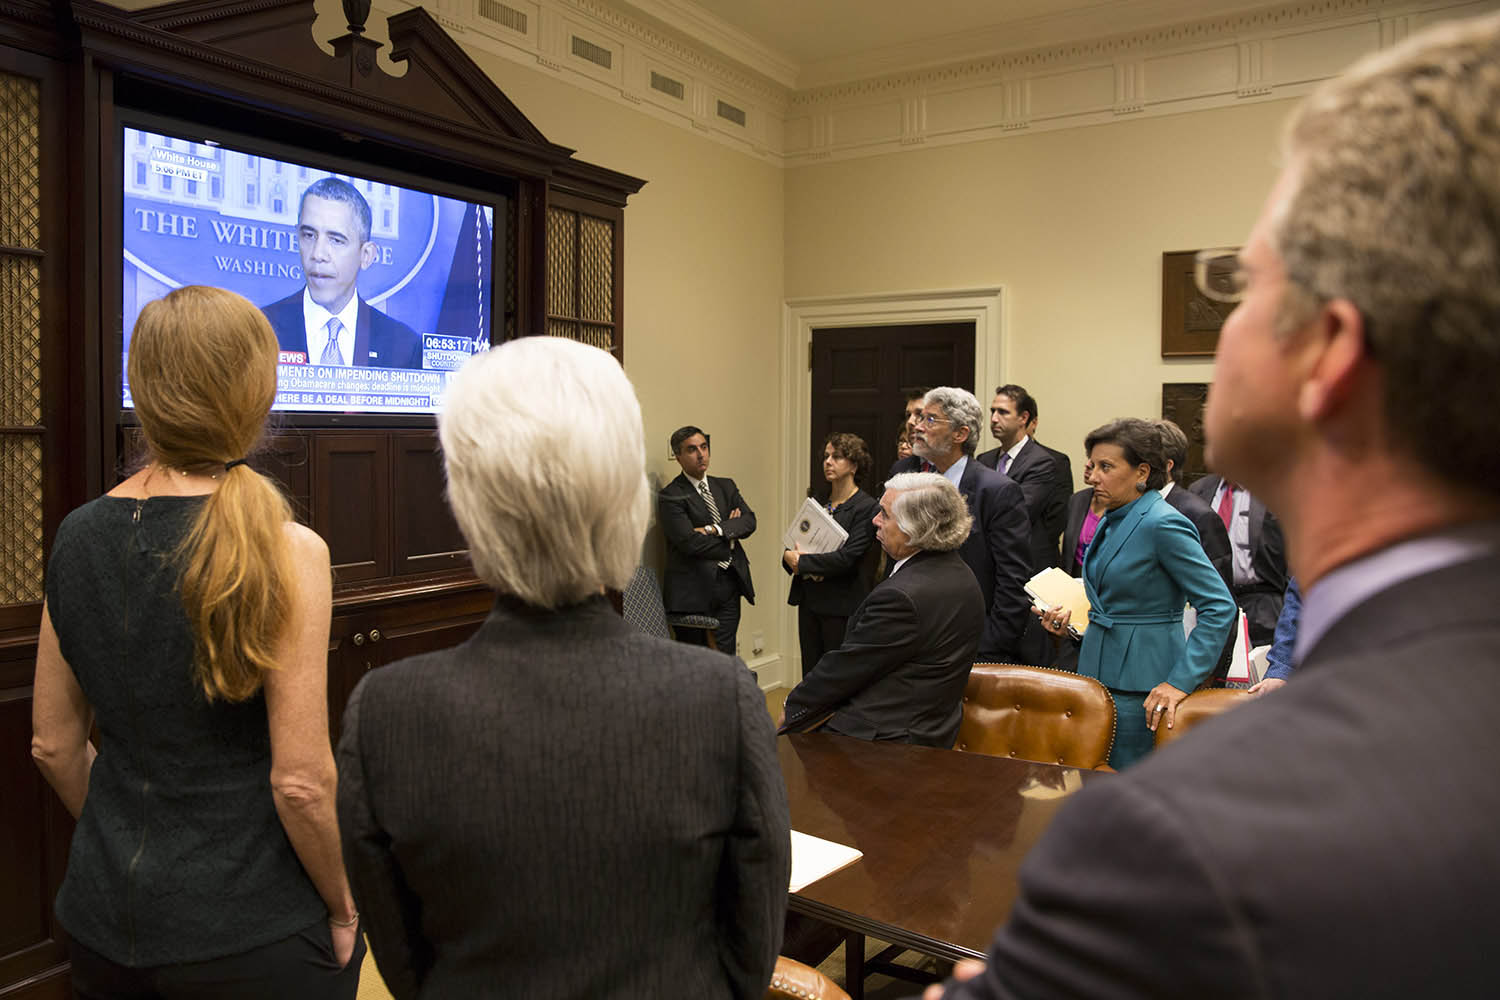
(1182, 403)
(1190, 321)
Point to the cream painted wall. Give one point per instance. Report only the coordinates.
(1072, 223)
(703, 293)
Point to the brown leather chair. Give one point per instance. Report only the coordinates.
(795, 981)
(1037, 713)
(1198, 707)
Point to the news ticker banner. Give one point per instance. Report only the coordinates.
(312, 388)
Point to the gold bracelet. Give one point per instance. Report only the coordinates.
(344, 923)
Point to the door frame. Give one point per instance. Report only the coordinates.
(984, 307)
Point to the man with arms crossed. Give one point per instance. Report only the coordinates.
(703, 518)
(905, 659)
(1338, 839)
(327, 322)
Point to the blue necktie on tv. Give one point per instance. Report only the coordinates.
(331, 355)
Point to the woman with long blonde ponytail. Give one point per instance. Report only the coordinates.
(187, 616)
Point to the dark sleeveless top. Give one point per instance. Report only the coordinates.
(179, 855)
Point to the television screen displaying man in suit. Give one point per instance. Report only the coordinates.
(327, 323)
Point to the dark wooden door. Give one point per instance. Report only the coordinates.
(860, 376)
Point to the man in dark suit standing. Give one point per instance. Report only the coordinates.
(1212, 532)
(327, 323)
(1032, 467)
(703, 518)
(998, 548)
(905, 659)
(1257, 549)
(1336, 839)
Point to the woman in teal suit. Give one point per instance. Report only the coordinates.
(1144, 563)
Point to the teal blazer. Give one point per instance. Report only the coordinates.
(1143, 565)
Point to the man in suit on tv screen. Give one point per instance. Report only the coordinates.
(327, 321)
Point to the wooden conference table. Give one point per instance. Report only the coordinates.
(942, 832)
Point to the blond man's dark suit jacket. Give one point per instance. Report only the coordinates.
(1334, 839)
(901, 671)
(1035, 470)
(692, 557)
(563, 806)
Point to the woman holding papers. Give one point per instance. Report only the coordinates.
(1144, 563)
(563, 805)
(828, 586)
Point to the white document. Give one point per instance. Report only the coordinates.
(814, 529)
(813, 858)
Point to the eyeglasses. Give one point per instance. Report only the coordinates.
(927, 420)
(1218, 274)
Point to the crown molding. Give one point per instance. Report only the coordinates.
(1268, 52)
(704, 28)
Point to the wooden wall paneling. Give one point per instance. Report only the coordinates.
(351, 480)
(426, 537)
(287, 458)
(33, 841)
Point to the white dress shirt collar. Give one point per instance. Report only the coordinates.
(316, 318)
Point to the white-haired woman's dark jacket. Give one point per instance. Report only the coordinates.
(565, 807)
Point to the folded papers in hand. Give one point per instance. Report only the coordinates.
(1053, 588)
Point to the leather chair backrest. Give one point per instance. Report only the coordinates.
(794, 981)
(1199, 707)
(1038, 714)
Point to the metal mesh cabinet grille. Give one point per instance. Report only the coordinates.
(21, 429)
(581, 277)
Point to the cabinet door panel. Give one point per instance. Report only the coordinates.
(351, 503)
(427, 538)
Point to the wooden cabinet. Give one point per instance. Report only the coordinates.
(69, 69)
(365, 637)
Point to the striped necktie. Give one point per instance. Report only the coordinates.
(713, 512)
(331, 355)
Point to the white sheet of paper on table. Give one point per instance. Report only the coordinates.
(813, 858)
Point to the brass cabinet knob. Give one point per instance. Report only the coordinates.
(359, 638)
(374, 635)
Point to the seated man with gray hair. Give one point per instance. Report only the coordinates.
(901, 671)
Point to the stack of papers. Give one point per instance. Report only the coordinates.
(813, 858)
(1053, 588)
(814, 529)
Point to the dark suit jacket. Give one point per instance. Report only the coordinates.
(510, 826)
(845, 571)
(998, 550)
(379, 340)
(1261, 601)
(692, 558)
(901, 671)
(1036, 472)
(1333, 839)
(1078, 509)
(1210, 530)
(1062, 489)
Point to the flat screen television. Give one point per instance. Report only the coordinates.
(378, 286)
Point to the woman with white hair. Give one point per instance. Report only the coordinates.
(562, 806)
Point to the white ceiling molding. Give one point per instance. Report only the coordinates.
(1267, 53)
(705, 29)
